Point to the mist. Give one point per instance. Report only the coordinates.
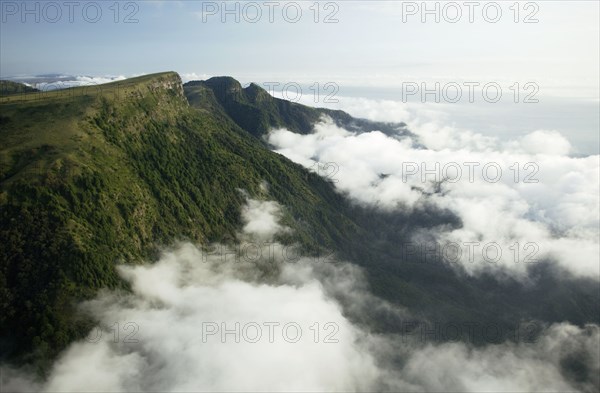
(249, 317)
(520, 202)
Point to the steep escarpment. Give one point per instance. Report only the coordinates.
(94, 177)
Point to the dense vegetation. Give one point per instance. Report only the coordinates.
(92, 177)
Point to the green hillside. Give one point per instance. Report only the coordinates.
(91, 177)
(95, 176)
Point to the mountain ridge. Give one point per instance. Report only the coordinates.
(95, 176)
(256, 111)
(120, 171)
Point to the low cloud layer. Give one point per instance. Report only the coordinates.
(246, 318)
(520, 201)
(563, 352)
(47, 83)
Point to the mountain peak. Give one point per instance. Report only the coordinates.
(256, 93)
(223, 85)
(256, 111)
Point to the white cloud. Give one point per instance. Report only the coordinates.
(192, 76)
(168, 334)
(261, 219)
(507, 367)
(177, 302)
(77, 81)
(542, 199)
(545, 142)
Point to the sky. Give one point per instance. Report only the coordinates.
(364, 43)
(546, 51)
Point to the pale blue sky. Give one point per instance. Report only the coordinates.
(370, 45)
